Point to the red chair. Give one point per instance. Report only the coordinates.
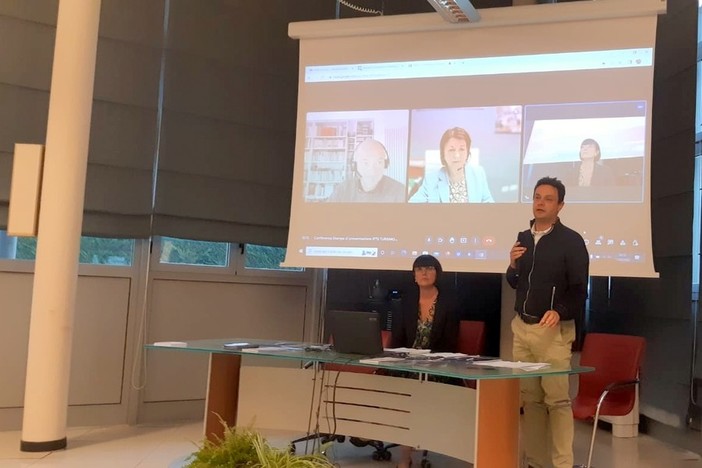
(471, 340)
(471, 337)
(611, 389)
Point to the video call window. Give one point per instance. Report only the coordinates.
(477, 147)
(596, 149)
(356, 156)
(476, 154)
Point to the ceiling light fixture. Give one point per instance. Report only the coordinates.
(456, 11)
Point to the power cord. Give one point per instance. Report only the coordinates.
(318, 389)
(360, 9)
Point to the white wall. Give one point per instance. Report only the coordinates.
(110, 332)
(99, 340)
(182, 310)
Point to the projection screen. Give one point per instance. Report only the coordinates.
(418, 136)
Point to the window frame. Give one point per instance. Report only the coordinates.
(27, 265)
(258, 272)
(697, 186)
(236, 266)
(157, 265)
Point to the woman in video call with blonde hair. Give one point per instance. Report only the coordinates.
(456, 181)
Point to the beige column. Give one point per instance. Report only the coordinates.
(60, 219)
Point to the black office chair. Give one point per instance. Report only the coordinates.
(381, 452)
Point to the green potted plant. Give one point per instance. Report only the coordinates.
(244, 448)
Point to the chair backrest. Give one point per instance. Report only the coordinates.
(471, 337)
(615, 358)
(386, 338)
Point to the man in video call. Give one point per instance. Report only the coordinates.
(368, 182)
(549, 269)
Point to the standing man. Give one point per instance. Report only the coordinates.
(549, 269)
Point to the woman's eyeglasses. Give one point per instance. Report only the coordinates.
(425, 269)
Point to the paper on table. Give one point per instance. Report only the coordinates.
(527, 366)
(235, 346)
(450, 355)
(173, 344)
(381, 360)
(270, 349)
(407, 350)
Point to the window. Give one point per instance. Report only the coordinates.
(696, 220)
(697, 194)
(106, 251)
(175, 254)
(93, 250)
(191, 252)
(261, 257)
(17, 248)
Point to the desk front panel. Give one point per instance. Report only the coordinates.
(425, 415)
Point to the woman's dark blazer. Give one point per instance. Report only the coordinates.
(444, 330)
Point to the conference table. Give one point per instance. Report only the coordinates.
(287, 386)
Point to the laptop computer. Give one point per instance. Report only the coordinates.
(355, 332)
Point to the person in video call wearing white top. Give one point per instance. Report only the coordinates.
(456, 181)
(548, 267)
(368, 183)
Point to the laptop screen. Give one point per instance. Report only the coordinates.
(355, 332)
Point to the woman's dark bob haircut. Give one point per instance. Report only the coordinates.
(428, 260)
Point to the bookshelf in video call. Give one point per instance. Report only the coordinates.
(329, 147)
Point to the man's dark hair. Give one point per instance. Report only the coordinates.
(555, 183)
(428, 260)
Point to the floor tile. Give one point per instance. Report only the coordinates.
(169, 445)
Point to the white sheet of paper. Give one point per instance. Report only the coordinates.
(408, 350)
(528, 366)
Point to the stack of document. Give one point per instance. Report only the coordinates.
(381, 360)
(172, 344)
(271, 349)
(407, 351)
(527, 366)
(412, 355)
(451, 355)
(391, 355)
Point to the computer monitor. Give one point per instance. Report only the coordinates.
(355, 332)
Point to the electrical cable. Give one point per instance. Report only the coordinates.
(360, 9)
(139, 353)
(309, 417)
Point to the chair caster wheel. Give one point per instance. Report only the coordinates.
(291, 449)
(387, 455)
(376, 456)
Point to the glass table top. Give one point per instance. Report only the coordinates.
(462, 368)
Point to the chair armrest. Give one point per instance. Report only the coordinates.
(614, 386)
(621, 384)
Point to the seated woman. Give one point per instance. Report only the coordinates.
(428, 320)
(592, 172)
(456, 181)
